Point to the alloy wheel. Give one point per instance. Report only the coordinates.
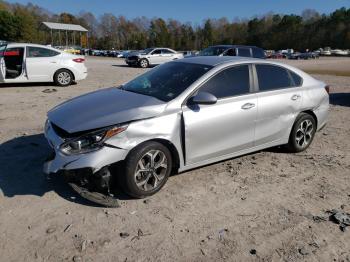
(151, 170)
(64, 78)
(304, 133)
(143, 63)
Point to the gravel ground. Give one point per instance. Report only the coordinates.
(267, 206)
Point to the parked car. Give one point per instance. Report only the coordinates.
(75, 50)
(277, 55)
(21, 63)
(152, 56)
(305, 56)
(326, 51)
(179, 116)
(233, 50)
(339, 52)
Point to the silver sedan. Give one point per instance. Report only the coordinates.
(182, 115)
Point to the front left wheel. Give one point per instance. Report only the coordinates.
(146, 169)
(144, 63)
(63, 77)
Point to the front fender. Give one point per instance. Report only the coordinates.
(167, 127)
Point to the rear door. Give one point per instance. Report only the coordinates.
(279, 102)
(41, 63)
(2, 63)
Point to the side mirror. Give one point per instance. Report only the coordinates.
(203, 98)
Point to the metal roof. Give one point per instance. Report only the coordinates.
(65, 27)
(215, 60)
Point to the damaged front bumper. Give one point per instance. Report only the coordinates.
(89, 173)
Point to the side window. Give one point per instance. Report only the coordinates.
(272, 77)
(230, 82)
(230, 52)
(166, 51)
(298, 81)
(258, 53)
(157, 52)
(244, 52)
(40, 52)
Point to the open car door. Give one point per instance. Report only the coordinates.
(2, 63)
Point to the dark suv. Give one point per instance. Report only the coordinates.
(233, 50)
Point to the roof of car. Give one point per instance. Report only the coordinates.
(13, 44)
(215, 60)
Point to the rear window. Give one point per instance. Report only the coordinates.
(166, 51)
(40, 52)
(298, 81)
(272, 77)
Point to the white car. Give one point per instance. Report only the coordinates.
(152, 56)
(21, 63)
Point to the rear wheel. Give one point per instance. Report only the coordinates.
(63, 77)
(302, 134)
(146, 169)
(144, 63)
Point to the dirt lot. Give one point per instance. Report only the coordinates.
(258, 207)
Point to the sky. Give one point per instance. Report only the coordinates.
(194, 11)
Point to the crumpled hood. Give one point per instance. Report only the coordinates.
(104, 108)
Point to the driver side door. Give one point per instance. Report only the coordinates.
(156, 57)
(226, 127)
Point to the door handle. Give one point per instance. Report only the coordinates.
(53, 62)
(248, 106)
(295, 97)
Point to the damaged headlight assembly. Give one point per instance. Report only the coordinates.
(91, 141)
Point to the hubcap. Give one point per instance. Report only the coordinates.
(304, 133)
(143, 63)
(63, 78)
(151, 170)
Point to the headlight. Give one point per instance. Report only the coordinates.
(91, 141)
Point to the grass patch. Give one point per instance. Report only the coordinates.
(328, 72)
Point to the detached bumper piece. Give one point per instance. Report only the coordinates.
(94, 187)
(95, 197)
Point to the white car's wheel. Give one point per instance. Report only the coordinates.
(144, 63)
(63, 77)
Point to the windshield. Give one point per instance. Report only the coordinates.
(213, 51)
(167, 81)
(147, 50)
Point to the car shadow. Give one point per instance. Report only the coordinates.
(125, 66)
(21, 161)
(137, 67)
(339, 99)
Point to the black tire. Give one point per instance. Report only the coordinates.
(293, 145)
(127, 178)
(63, 77)
(144, 63)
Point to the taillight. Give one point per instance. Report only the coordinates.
(327, 87)
(79, 60)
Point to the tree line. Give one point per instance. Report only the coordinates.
(310, 30)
